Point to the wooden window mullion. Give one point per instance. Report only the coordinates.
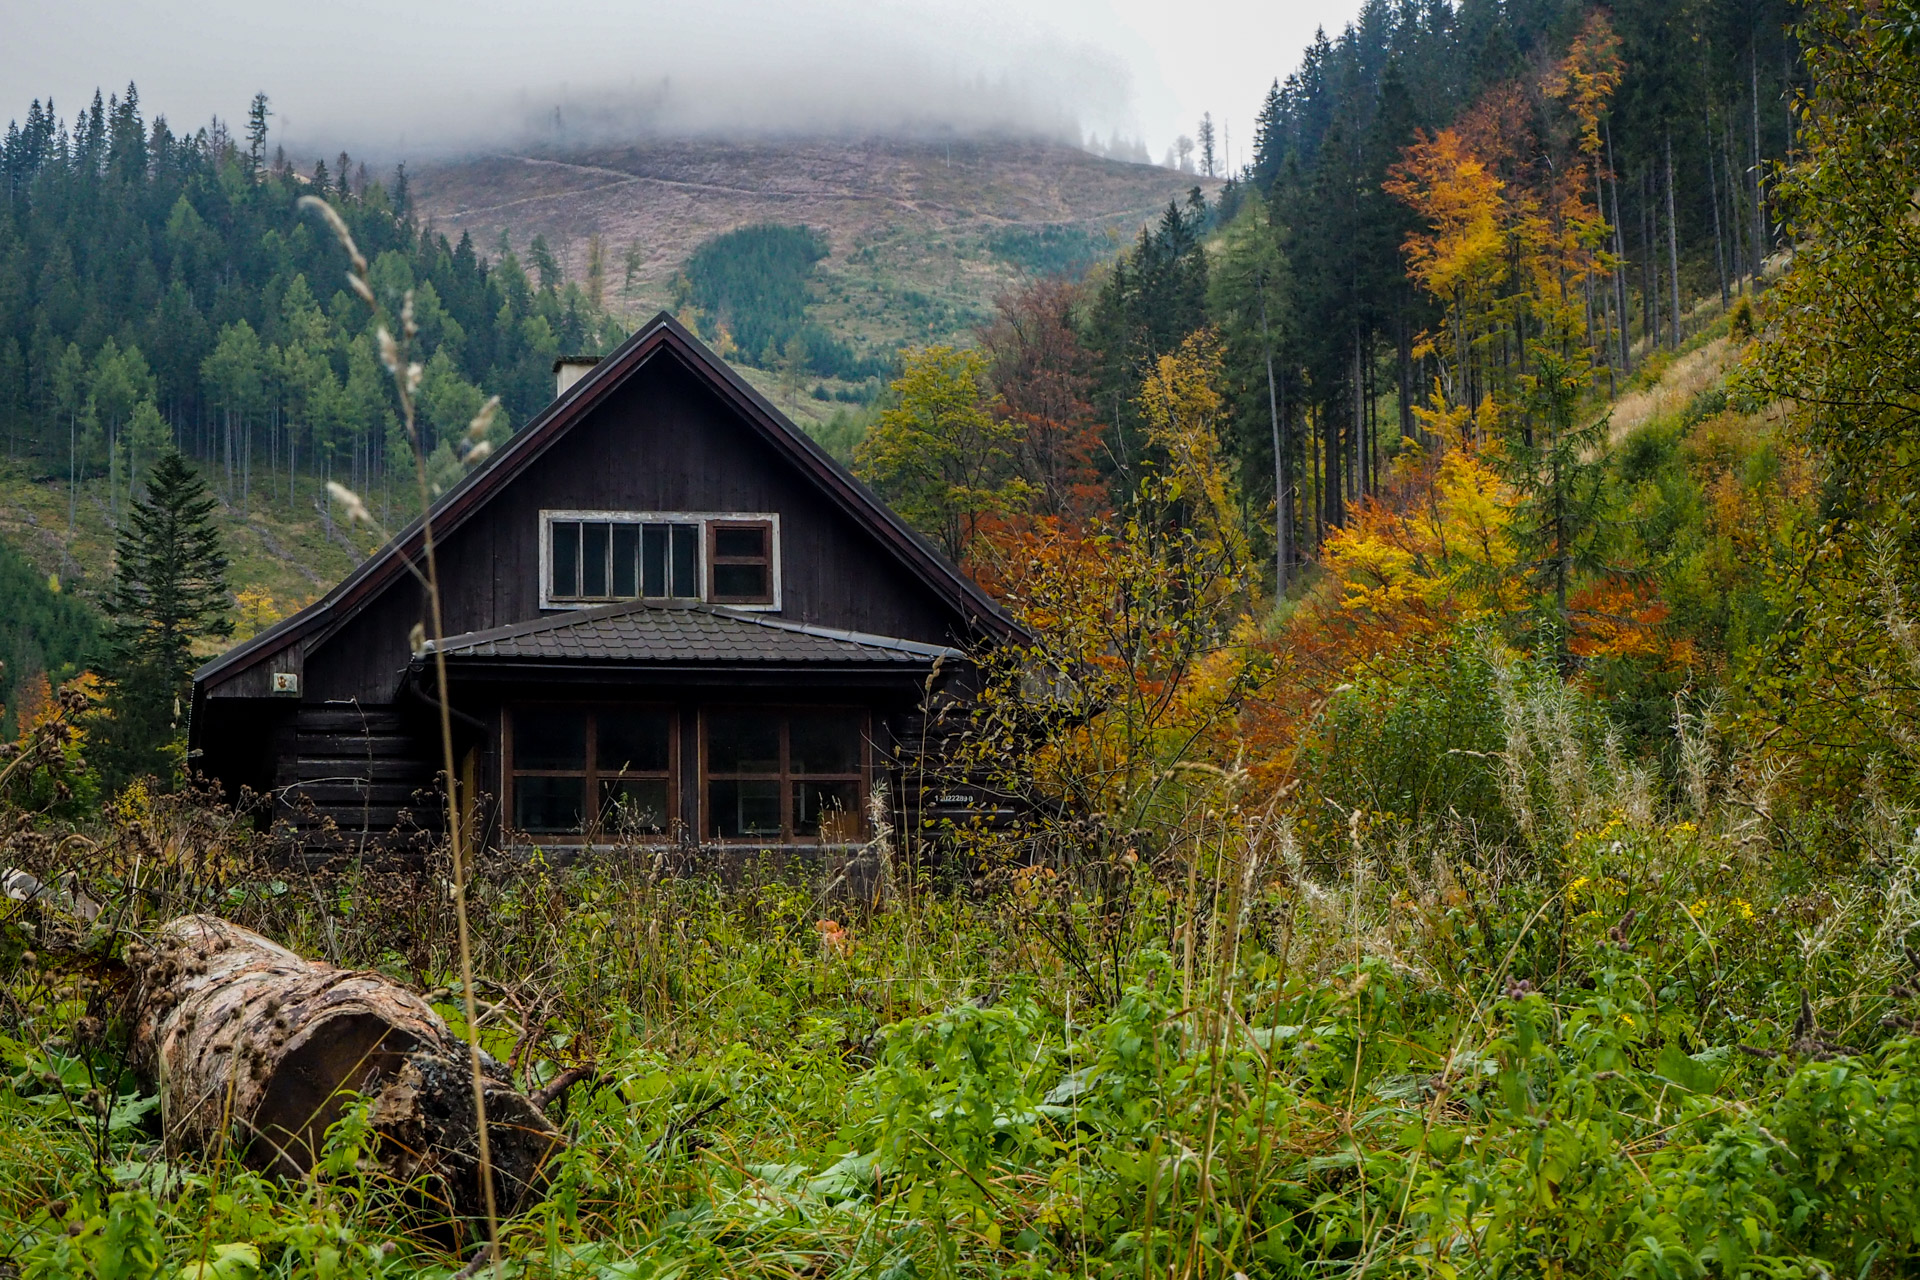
(787, 824)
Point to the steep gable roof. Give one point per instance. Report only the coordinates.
(661, 337)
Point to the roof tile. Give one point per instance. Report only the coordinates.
(639, 632)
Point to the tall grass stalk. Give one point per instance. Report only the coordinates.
(396, 355)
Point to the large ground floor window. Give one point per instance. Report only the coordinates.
(796, 775)
(778, 775)
(608, 770)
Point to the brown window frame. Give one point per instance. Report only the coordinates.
(592, 775)
(715, 561)
(786, 777)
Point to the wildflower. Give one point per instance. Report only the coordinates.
(1744, 908)
(834, 939)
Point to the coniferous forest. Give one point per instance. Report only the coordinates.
(160, 290)
(1455, 807)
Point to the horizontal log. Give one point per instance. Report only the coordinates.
(335, 793)
(316, 768)
(346, 720)
(373, 818)
(255, 1049)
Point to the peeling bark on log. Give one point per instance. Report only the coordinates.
(252, 1044)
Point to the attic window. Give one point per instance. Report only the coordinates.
(740, 562)
(598, 557)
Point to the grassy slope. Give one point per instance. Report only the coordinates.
(909, 222)
(282, 548)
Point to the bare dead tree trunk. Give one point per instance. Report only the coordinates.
(1713, 192)
(1673, 245)
(256, 1048)
(1279, 462)
(1759, 201)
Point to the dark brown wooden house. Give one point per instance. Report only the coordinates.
(670, 615)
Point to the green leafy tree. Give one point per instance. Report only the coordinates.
(147, 437)
(940, 456)
(1839, 685)
(169, 591)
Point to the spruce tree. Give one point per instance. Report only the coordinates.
(169, 590)
(1556, 465)
(257, 115)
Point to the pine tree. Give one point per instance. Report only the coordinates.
(169, 590)
(1208, 160)
(257, 115)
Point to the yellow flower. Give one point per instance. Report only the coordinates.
(1744, 907)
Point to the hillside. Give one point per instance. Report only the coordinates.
(923, 235)
(286, 552)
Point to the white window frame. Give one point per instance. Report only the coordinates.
(699, 518)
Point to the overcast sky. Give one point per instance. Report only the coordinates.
(408, 77)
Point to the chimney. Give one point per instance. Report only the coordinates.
(568, 370)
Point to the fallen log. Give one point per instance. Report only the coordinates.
(252, 1045)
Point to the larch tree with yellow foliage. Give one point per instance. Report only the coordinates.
(1121, 713)
(940, 456)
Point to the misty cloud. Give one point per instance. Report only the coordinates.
(386, 79)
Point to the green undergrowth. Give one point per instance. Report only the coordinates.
(1665, 1048)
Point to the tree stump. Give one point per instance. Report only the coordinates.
(252, 1045)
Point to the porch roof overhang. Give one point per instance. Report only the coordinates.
(649, 641)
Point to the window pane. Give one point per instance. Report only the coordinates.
(830, 810)
(566, 559)
(593, 558)
(633, 805)
(550, 740)
(653, 560)
(548, 805)
(743, 742)
(745, 808)
(751, 541)
(626, 561)
(740, 581)
(632, 740)
(825, 742)
(686, 561)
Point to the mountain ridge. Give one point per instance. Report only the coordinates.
(910, 221)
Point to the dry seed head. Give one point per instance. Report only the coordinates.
(349, 502)
(483, 419)
(339, 226)
(359, 285)
(414, 372)
(407, 325)
(389, 350)
(478, 453)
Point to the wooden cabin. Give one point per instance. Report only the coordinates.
(669, 616)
